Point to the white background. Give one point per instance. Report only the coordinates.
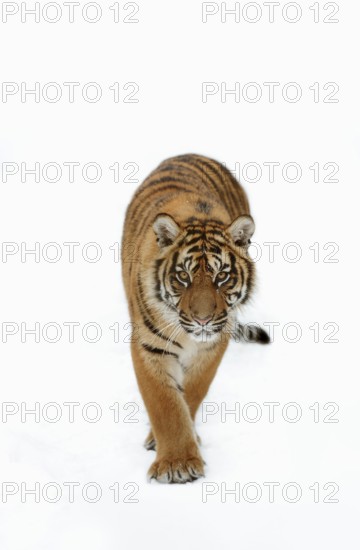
(169, 53)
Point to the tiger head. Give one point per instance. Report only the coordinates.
(203, 272)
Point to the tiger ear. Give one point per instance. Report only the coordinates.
(166, 230)
(241, 230)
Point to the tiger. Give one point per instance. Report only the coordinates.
(186, 272)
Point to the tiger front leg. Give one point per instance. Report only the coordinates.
(178, 458)
(150, 443)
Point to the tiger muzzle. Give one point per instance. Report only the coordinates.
(202, 300)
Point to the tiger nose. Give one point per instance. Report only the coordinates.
(203, 320)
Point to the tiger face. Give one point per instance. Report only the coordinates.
(203, 272)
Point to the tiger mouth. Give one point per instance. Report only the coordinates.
(205, 335)
(207, 330)
(202, 330)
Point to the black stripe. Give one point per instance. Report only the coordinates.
(180, 388)
(192, 241)
(242, 273)
(194, 249)
(218, 188)
(249, 281)
(215, 232)
(232, 263)
(157, 269)
(214, 249)
(164, 179)
(195, 231)
(174, 260)
(225, 191)
(158, 350)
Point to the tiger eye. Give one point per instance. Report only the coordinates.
(222, 276)
(183, 276)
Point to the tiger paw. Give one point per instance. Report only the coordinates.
(178, 470)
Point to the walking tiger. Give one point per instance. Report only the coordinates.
(186, 272)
